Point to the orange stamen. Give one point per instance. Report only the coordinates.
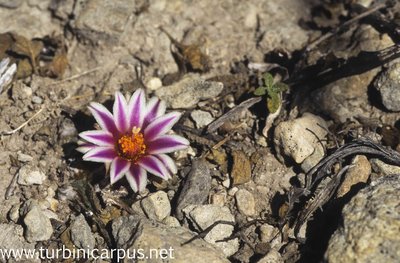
(131, 147)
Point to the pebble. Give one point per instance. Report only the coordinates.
(154, 83)
(12, 237)
(189, 91)
(156, 206)
(245, 202)
(273, 256)
(384, 169)
(388, 85)
(370, 227)
(37, 100)
(196, 187)
(204, 216)
(29, 175)
(25, 158)
(298, 138)
(81, 234)
(154, 235)
(359, 173)
(201, 118)
(13, 214)
(37, 226)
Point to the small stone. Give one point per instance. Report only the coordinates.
(201, 118)
(245, 202)
(156, 206)
(11, 237)
(38, 226)
(148, 235)
(300, 137)
(218, 198)
(67, 129)
(189, 91)
(13, 214)
(171, 221)
(204, 216)
(384, 169)
(37, 100)
(196, 187)
(227, 182)
(25, 158)
(359, 173)
(273, 256)
(154, 83)
(29, 175)
(11, 4)
(370, 227)
(388, 84)
(81, 234)
(233, 191)
(241, 169)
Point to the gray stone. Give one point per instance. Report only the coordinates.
(29, 175)
(201, 118)
(189, 91)
(370, 230)
(103, 20)
(81, 234)
(11, 237)
(196, 187)
(123, 228)
(388, 85)
(147, 235)
(37, 226)
(245, 202)
(156, 206)
(204, 216)
(272, 256)
(37, 100)
(298, 138)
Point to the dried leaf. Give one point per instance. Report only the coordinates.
(56, 68)
(27, 48)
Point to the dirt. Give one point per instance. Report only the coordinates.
(121, 46)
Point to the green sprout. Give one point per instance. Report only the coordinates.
(273, 92)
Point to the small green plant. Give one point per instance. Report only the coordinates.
(273, 92)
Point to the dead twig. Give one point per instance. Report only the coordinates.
(23, 124)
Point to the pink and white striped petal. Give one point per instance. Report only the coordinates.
(84, 146)
(118, 169)
(167, 144)
(137, 109)
(101, 154)
(98, 137)
(137, 178)
(168, 162)
(153, 165)
(103, 117)
(155, 108)
(160, 125)
(121, 113)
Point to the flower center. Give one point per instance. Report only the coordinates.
(131, 146)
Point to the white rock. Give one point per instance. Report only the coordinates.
(25, 158)
(156, 206)
(201, 118)
(38, 226)
(154, 83)
(81, 234)
(245, 202)
(29, 175)
(298, 138)
(204, 216)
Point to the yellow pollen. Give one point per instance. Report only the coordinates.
(131, 147)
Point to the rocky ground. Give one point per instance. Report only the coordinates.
(300, 165)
